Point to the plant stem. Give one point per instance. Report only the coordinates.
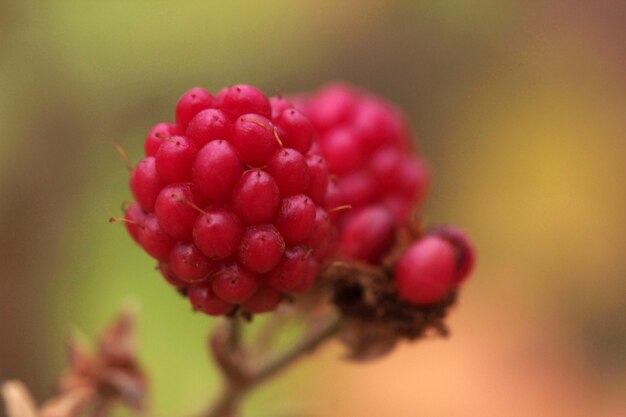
(242, 380)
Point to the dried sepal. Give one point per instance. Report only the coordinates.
(375, 318)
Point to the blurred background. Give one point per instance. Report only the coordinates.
(519, 106)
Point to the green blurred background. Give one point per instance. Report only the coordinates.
(519, 106)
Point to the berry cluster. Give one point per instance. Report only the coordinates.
(367, 143)
(238, 199)
(230, 200)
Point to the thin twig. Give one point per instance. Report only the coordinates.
(239, 379)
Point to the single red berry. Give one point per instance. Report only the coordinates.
(279, 105)
(464, 250)
(256, 197)
(135, 216)
(358, 189)
(166, 271)
(154, 140)
(341, 151)
(154, 240)
(264, 299)
(425, 274)
(242, 99)
(368, 234)
(296, 218)
(291, 270)
(191, 103)
(374, 125)
(216, 170)
(333, 199)
(174, 159)
(261, 248)
(333, 105)
(318, 178)
(234, 283)
(145, 183)
(217, 232)
(398, 205)
(255, 139)
(208, 125)
(188, 263)
(413, 179)
(290, 171)
(175, 210)
(323, 236)
(295, 130)
(309, 276)
(203, 299)
(385, 167)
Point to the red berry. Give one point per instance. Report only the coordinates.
(323, 235)
(333, 105)
(291, 270)
(203, 299)
(309, 276)
(217, 232)
(154, 140)
(279, 105)
(154, 240)
(256, 197)
(175, 211)
(341, 151)
(413, 179)
(296, 130)
(296, 218)
(145, 183)
(358, 189)
(188, 263)
(425, 274)
(216, 170)
(174, 159)
(234, 283)
(242, 99)
(333, 199)
(374, 125)
(318, 178)
(290, 171)
(261, 248)
(191, 103)
(209, 125)
(166, 271)
(368, 234)
(464, 250)
(135, 216)
(385, 167)
(254, 138)
(264, 299)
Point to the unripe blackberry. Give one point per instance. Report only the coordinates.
(230, 200)
(425, 274)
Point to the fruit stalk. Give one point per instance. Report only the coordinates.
(240, 378)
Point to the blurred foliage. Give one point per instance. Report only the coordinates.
(519, 106)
